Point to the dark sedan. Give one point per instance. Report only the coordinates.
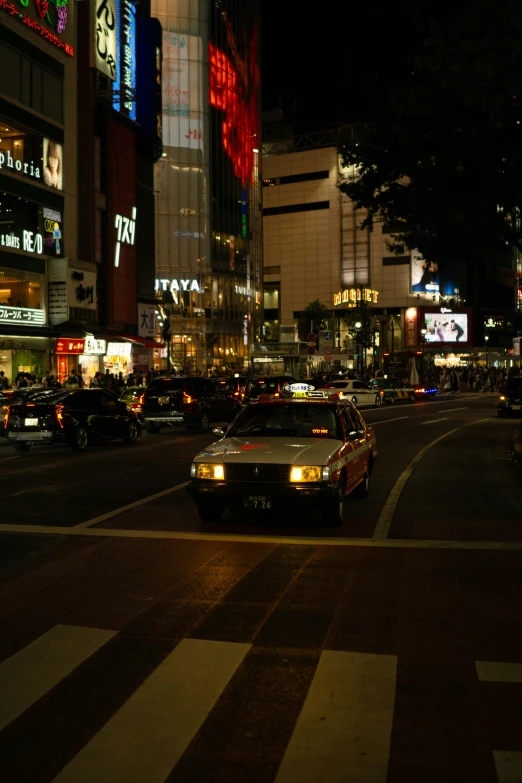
(510, 401)
(70, 417)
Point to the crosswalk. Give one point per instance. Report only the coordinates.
(342, 732)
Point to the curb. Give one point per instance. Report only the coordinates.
(517, 446)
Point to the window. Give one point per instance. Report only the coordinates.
(314, 205)
(20, 289)
(292, 178)
(272, 270)
(360, 385)
(30, 83)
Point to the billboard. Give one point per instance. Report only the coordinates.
(424, 274)
(53, 164)
(182, 95)
(104, 52)
(446, 327)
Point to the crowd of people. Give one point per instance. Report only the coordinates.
(484, 379)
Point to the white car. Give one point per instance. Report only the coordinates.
(292, 453)
(358, 392)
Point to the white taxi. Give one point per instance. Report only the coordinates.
(307, 450)
(358, 392)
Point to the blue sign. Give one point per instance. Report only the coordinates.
(327, 337)
(124, 85)
(310, 350)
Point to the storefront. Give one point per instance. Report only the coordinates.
(25, 354)
(91, 360)
(118, 358)
(68, 352)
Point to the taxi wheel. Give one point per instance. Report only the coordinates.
(209, 514)
(333, 514)
(390, 400)
(378, 401)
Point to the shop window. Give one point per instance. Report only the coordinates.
(26, 226)
(20, 289)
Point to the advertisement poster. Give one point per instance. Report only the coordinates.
(182, 90)
(424, 274)
(446, 327)
(53, 164)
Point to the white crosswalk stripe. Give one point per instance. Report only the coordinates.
(508, 763)
(146, 737)
(33, 671)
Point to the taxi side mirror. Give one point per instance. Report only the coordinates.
(355, 435)
(219, 432)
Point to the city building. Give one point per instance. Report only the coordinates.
(38, 174)
(384, 309)
(208, 205)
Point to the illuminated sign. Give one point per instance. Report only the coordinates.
(124, 94)
(94, 347)
(53, 15)
(410, 319)
(21, 315)
(163, 284)
(27, 169)
(354, 296)
(125, 233)
(29, 241)
(53, 164)
(120, 349)
(69, 345)
(105, 41)
(424, 274)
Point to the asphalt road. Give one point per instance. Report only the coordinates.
(139, 645)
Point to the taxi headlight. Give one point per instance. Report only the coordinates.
(305, 473)
(206, 470)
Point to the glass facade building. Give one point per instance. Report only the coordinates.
(208, 200)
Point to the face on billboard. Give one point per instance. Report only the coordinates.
(424, 274)
(53, 164)
(446, 328)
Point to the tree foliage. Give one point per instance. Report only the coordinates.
(443, 153)
(315, 312)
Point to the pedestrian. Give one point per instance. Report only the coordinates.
(4, 381)
(454, 382)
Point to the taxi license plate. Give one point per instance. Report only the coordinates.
(31, 422)
(258, 502)
(163, 400)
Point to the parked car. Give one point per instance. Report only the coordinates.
(193, 401)
(510, 401)
(266, 385)
(71, 417)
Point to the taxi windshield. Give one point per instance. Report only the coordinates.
(299, 420)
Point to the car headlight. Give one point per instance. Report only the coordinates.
(209, 470)
(306, 473)
(502, 397)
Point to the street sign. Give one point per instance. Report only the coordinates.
(327, 350)
(327, 336)
(310, 350)
(311, 337)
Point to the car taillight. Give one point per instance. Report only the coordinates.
(6, 417)
(141, 399)
(276, 394)
(59, 414)
(186, 397)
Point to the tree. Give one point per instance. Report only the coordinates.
(315, 312)
(441, 160)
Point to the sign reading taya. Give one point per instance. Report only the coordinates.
(354, 296)
(69, 345)
(163, 284)
(53, 15)
(21, 315)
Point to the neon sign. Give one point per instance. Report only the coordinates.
(233, 90)
(352, 296)
(125, 228)
(124, 95)
(53, 12)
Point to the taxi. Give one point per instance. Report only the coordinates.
(393, 390)
(358, 392)
(305, 449)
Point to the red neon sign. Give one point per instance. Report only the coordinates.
(43, 31)
(228, 85)
(69, 345)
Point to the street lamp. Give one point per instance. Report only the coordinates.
(358, 325)
(486, 338)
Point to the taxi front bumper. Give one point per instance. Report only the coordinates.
(234, 494)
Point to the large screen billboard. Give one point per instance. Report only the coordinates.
(424, 274)
(446, 327)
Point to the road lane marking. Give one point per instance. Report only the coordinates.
(434, 421)
(179, 535)
(34, 670)
(343, 732)
(383, 421)
(495, 671)
(129, 506)
(148, 735)
(449, 410)
(508, 765)
(385, 519)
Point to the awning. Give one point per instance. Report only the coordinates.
(143, 341)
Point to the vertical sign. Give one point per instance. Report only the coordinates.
(104, 38)
(410, 324)
(327, 345)
(124, 89)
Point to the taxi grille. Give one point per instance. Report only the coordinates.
(257, 472)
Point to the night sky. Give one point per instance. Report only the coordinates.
(332, 63)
